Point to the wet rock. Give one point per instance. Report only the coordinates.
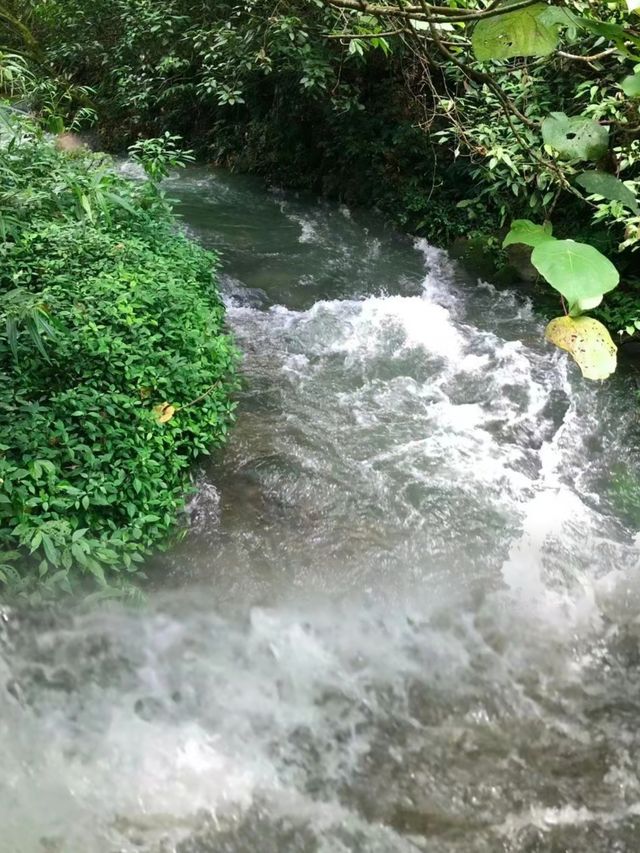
(70, 142)
(255, 831)
(238, 295)
(520, 259)
(631, 348)
(148, 708)
(475, 254)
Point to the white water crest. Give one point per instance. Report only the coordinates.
(405, 618)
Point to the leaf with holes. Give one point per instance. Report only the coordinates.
(527, 232)
(519, 33)
(576, 138)
(609, 187)
(576, 270)
(587, 341)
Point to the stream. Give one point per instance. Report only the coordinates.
(407, 613)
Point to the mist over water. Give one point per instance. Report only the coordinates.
(406, 617)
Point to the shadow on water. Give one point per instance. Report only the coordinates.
(405, 618)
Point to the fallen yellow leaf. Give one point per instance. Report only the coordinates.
(164, 412)
(587, 341)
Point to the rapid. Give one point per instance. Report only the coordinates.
(406, 616)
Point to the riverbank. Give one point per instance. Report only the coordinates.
(117, 370)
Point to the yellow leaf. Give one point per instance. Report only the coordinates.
(588, 341)
(164, 412)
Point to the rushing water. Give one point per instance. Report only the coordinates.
(407, 616)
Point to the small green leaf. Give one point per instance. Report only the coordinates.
(576, 138)
(631, 85)
(527, 232)
(609, 187)
(50, 549)
(78, 554)
(12, 336)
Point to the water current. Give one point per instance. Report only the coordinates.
(407, 614)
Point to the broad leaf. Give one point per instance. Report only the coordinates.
(576, 270)
(576, 138)
(586, 305)
(609, 187)
(588, 341)
(631, 85)
(556, 16)
(527, 232)
(519, 33)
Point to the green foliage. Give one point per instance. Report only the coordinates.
(631, 85)
(158, 157)
(129, 318)
(608, 186)
(582, 275)
(621, 311)
(576, 270)
(524, 32)
(528, 233)
(441, 118)
(576, 138)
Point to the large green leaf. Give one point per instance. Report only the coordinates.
(576, 270)
(631, 85)
(556, 16)
(527, 232)
(519, 33)
(589, 343)
(609, 187)
(576, 138)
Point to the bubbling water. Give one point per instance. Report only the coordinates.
(405, 618)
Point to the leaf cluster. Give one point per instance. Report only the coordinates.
(90, 480)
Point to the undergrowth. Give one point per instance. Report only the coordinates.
(115, 368)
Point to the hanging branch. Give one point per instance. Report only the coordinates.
(426, 11)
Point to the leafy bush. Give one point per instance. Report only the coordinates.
(115, 370)
(454, 118)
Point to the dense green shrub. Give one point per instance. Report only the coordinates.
(367, 103)
(109, 315)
